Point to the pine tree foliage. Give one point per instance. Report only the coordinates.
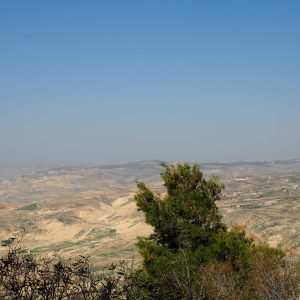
(187, 217)
(193, 255)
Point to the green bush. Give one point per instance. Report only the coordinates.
(192, 252)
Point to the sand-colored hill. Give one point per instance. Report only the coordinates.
(92, 211)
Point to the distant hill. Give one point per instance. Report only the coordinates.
(91, 210)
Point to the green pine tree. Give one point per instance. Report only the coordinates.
(188, 232)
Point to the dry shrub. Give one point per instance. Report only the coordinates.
(27, 276)
(220, 281)
(269, 275)
(273, 276)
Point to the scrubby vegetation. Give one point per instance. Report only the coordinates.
(27, 276)
(32, 206)
(192, 254)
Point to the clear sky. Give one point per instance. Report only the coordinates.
(112, 81)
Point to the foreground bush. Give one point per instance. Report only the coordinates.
(27, 276)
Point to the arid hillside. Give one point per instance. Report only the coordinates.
(91, 210)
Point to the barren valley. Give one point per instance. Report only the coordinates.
(91, 210)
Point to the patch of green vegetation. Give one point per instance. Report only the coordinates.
(38, 250)
(128, 250)
(32, 206)
(97, 234)
(23, 220)
(78, 205)
(68, 220)
(109, 254)
(63, 245)
(54, 247)
(93, 235)
(116, 251)
(106, 233)
(251, 206)
(271, 194)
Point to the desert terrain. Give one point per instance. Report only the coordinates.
(91, 210)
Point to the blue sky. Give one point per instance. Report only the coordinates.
(113, 81)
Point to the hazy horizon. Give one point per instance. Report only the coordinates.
(102, 83)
